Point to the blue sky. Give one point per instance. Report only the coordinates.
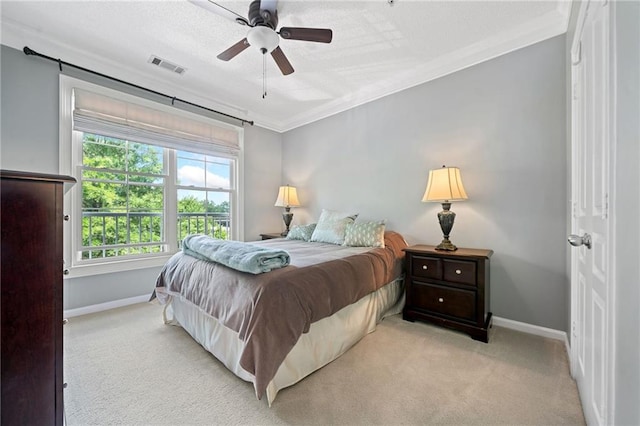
(204, 171)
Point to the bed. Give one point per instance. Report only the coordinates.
(275, 328)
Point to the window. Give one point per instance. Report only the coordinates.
(147, 175)
(122, 198)
(203, 185)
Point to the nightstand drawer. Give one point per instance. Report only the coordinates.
(460, 271)
(271, 236)
(444, 300)
(426, 267)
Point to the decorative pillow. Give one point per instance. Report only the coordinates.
(365, 234)
(332, 226)
(301, 232)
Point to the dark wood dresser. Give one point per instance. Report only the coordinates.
(449, 288)
(31, 220)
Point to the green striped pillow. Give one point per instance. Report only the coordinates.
(365, 234)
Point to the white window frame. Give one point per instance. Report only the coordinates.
(71, 158)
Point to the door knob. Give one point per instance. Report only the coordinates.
(577, 241)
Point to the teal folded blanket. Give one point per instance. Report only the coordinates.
(235, 254)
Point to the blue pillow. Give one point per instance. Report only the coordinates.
(332, 226)
(301, 232)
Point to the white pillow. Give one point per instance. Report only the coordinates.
(332, 226)
(365, 234)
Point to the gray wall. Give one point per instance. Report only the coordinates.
(626, 210)
(503, 122)
(262, 178)
(29, 141)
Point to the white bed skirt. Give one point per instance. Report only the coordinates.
(326, 340)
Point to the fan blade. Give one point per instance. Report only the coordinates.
(234, 50)
(214, 7)
(282, 61)
(320, 35)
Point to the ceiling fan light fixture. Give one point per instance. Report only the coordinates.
(263, 20)
(263, 38)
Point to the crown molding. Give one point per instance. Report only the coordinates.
(546, 26)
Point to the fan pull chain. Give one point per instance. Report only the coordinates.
(264, 75)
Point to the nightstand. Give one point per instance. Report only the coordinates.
(449, 288)
(271, 235)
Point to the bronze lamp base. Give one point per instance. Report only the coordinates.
(287, 217)
(446, 218)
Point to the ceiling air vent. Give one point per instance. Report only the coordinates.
(163, 63)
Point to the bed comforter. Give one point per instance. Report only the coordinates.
(270, 311)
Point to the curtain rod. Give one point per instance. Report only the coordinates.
(28, 51)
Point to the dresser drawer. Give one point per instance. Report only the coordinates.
(460, 271)
(426, 267)
(444, 300)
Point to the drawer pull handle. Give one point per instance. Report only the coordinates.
(440, 300)
(425, 267)
(458, 271)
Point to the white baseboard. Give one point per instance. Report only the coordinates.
(498, 321)
(69, 313)
(537, 330)
(531, 329)
(567, 346)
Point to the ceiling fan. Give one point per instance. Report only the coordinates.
(263, 20)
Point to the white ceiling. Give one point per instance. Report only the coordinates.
(377, 48)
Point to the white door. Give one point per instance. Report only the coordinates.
(591, 293)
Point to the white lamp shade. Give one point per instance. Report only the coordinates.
(287, 197)
(444, 185)
(263, 38)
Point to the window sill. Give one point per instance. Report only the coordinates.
(116, 266)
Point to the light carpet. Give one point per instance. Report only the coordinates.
(125, 367)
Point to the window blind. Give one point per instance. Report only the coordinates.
(100, 114)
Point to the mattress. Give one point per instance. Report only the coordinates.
(325, 341)
(269, 314)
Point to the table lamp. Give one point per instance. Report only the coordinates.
(444, 186)
(287, 198)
